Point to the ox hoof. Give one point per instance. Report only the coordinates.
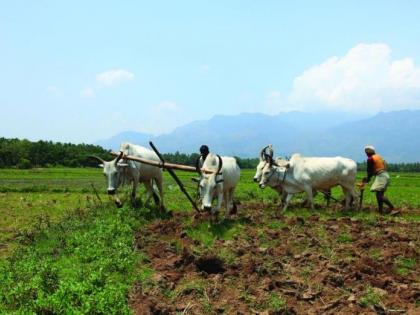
(234, 209)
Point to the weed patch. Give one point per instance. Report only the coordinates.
(404, 265)
(85, 264)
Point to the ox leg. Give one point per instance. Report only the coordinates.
(310, 196)
(286, 202)
(348, 198)
(283, 195)
(327, 196)
(159, 184)
(233, 206)
(133, 193)
(226, 200)
(349, 193)
(149, 191)
(219, 203)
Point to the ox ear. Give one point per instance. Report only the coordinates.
(101, 165)
(122, 164)
(195, 179)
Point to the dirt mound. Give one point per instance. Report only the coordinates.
(279, 265)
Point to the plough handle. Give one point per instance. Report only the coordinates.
(177, 180)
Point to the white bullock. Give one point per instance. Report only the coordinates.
(119, 172)
(218, 179)
(265, 155)
(307, 174)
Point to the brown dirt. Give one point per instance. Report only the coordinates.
(307, 262)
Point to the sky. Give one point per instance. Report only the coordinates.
(80, 71)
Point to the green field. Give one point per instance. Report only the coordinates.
(51, 192)
(62, 247)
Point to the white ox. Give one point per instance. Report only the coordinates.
(307, 174)
(119, 171)
(265, 155)
(264, 159)
(218, 179)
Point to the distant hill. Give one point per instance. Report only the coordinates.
(395, 134)
(125, 136)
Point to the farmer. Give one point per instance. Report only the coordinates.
(204, 151)
(376, 167)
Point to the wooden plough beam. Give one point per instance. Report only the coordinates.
(165, 165)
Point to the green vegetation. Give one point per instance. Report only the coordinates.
(207, 233)
(85, 263)
(395, 167)
(276, 303)
(344, 238)
(404, 265)
(62, 248)
(370, 297)
(25, 154)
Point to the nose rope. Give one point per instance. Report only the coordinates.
(268, 179)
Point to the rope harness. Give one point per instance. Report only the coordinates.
(278, 175)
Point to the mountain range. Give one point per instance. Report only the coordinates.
(396, 135)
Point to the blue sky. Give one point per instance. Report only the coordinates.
(84, 70)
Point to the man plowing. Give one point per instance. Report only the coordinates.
(376, 167)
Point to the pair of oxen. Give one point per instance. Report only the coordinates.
(219, 176)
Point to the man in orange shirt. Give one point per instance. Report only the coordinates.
(376, 167)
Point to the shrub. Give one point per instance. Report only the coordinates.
(24, 164)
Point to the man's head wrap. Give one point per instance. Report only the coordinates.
(370, 148)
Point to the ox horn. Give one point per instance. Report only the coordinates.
(220, 164)
(119, 157)
(262, 154)
(97, 158)
(270, 150)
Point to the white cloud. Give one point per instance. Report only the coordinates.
(114, 77)
(166, 107)
(87, 92)
(53, 90)
(364, 79)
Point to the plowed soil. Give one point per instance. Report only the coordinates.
(281, 265)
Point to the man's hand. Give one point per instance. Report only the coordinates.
(361, 185)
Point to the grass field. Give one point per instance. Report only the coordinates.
(61, 249)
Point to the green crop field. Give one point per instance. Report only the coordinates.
(65, 249)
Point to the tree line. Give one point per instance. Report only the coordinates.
(395, 167)
(17, 153)
(24, 154)
(27, 154)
